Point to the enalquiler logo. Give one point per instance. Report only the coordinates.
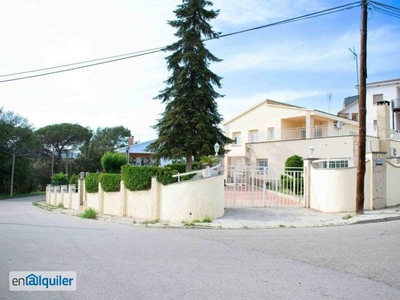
(42, 281)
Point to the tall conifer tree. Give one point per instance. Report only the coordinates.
(189, 125)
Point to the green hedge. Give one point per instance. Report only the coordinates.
(110, 182)
(59, 179)
(112, 162)
(135, 178)
(92, 182)
(138, 178)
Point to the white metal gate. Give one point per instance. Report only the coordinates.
(259, 187)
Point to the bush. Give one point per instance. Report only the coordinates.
(137, 178)
(164, 176)
(74, 179)
(110, 182)
(89, 213)
(112, 162)
(293, 179)
(92, 182)
(59, 179)
(294, 161)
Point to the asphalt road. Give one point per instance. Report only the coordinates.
(119, 261)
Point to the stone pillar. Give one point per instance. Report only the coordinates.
(309, 126)
(378, 179)
(383, 122)
(307, 182)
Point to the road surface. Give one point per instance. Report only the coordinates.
(122, 261)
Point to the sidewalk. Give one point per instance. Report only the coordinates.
(257, 218)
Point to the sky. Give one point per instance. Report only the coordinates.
(306, 63)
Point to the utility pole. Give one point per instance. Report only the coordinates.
(12, 174)
(362, 112)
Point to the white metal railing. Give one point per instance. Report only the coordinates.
(251, 186)
(334, 163)
(179, 175)
(301, 133)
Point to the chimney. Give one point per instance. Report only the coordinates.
(130, 140)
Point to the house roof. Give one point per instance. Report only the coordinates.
(268, 102)
(349, 100)
(384, 82)
(139, 148)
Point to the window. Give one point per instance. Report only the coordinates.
(335, 164)
(271, 133)
(262, 164)
(253, 136)
(354, 116)
(377, 98)
(236, 138)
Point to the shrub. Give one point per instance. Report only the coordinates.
(110, 182)
(74, 179)
(138, 178)
(292, 179)
(209, 161)
(59, 179)
(89, 213)
(164, 176)
(112, 162)
(92, 182)
(294, 161)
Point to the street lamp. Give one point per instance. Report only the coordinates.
(216, 149)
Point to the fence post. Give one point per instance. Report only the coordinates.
(264, 186)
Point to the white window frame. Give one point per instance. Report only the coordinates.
(261, 164)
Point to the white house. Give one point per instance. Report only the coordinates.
(270, 132)
(382, 91)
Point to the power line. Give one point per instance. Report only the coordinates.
(82, 62)
(75, 68)
(385, 9)
(115, 58)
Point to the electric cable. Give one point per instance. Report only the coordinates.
(115, 58)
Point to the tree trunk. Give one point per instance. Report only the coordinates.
(188, 162)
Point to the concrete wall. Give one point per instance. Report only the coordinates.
(196, 201)
(333, 190)
(392, 181)
(278, 152)
(66, 195)
(183, 201)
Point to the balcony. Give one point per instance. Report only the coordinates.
(301, 133)
(396, 105)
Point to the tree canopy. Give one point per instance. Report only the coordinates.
(189, 126)
(103, 140)
(18, 143)
(63, 138)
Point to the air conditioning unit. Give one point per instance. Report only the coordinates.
(338, 124)
(393, 152)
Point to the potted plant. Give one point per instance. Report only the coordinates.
(206, 163)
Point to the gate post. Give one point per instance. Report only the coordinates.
(307, 182)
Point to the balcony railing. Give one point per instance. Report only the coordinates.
(396, 104)
(300, 133)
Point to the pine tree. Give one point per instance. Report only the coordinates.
(189, 125)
